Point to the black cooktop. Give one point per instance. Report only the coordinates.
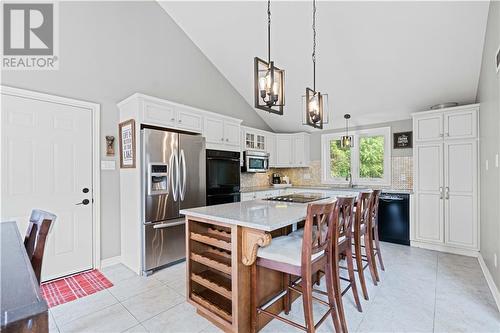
(299, 197)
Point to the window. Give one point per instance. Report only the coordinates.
(368, 160)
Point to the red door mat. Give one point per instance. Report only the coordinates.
(73, 287)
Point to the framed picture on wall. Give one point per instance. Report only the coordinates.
(126, 131)
(403, 140)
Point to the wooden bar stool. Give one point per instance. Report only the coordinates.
(36, 236)
(302, 257)
(345, 222)
(362, 236)
(374, 247)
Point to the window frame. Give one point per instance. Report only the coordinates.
(355, 161)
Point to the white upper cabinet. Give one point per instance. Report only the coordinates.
(271, 148)
(253, 139)
(428, 127)
(292, 150)
(284, 156)
(460, 124)
(232, 133)
(300, 145)
(452, 123)
(222, 133)
(214, 130)
(159, 114)
(190, 120)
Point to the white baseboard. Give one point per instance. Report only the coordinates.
(447, 249)
(489, 280)
(111, 261)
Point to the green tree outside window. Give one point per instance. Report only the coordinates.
(371, 157)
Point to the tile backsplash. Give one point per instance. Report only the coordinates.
(402, 175)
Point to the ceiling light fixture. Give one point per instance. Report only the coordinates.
(347, 141)
(314, 99)
(269, 80)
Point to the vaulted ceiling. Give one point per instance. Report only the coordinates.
(378, 61)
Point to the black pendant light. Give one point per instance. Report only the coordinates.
(347, 141)
(314, 99)
(269, 80)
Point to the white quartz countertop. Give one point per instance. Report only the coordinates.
(258, 214)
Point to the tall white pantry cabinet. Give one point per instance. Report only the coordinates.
(446, 179)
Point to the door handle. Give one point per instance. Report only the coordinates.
(183, 188)
(447, 192)
(440, 192)
(84, 202)
(172, 163)
(168, 225)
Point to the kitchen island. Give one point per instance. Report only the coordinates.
(221, 244)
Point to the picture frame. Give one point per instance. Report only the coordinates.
(403, 140)
(126, 131)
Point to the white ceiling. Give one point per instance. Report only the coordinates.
(378, 61)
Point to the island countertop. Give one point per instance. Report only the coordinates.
(257, 214)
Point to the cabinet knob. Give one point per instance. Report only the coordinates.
(227, 139)
(221, 139)
(180, 120)
(173, 119)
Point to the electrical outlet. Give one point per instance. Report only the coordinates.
(307, 176)
(486, 165)
(495, 259)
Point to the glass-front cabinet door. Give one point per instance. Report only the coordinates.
(255, 141)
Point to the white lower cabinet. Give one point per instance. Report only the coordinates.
(446, 193)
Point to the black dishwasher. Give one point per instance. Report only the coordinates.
(394, 218)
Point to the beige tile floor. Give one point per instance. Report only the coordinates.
(420, 291)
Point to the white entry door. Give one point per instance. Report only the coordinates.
(47, 164)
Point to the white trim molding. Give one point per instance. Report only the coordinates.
(111, 261)
(96, 171)
(445, 248)
(489, 279)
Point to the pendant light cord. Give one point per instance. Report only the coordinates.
(268, 31)
(314, 45)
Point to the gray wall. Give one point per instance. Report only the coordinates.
(489, 124)
(396, 126)
(109, 50)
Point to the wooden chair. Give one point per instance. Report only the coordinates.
(374, 246)
(362, 235)
(345, 218)
(36, 236)
(302, 257)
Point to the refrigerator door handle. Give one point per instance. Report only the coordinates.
(183, 189)
(168, 225)
(173, 164)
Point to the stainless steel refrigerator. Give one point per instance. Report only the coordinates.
(173, 178)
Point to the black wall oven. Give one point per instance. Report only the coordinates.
(223, 177)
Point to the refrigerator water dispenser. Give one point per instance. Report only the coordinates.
(157, 179)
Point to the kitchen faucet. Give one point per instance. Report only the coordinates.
(349, 178)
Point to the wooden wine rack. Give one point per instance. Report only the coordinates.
(210, 271)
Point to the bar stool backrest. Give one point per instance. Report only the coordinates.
(318, 230)
(375, 197)
(36, 236)
(345, 217)
(363, 211)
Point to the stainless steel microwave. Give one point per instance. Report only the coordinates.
(255, 161)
